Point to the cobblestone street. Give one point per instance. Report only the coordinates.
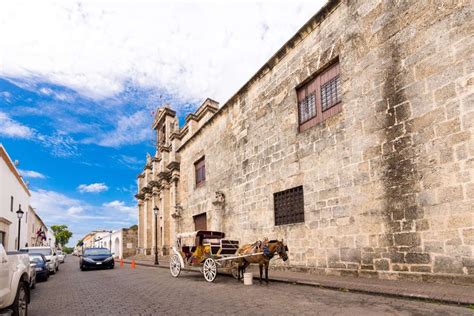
(148, 291)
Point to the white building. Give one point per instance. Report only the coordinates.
(35, 226)
(50, 239)
(102, 239)
(122, 242)
(13, 194)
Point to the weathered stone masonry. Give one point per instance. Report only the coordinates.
(388, 182)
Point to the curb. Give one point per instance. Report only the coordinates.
(344, 288)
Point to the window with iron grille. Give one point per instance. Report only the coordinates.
(11, 203)
(289, 206)
(319, 98)
(330, 93)
(200, 171)
(307, 108)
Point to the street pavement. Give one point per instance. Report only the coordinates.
(149, 291)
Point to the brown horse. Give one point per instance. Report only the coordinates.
(274, 246)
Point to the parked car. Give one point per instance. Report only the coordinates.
(41, 268)
(61, 256)
(32, 274)
(96, 258)
(51, 257)
(14, 282)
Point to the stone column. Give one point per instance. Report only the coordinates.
(156, 221)
(175, 209)
(149, 223)
(218, 212)
(165, 218)
(140, 226)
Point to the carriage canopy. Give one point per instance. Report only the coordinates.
(204, 234)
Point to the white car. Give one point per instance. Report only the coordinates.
(61, 256)
(14, 283)
(51, 257)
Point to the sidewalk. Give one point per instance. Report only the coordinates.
(433, 292)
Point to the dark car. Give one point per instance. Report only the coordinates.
(94, 258)
(42, 271)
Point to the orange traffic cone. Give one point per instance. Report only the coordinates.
(121, 263)
(133, 263)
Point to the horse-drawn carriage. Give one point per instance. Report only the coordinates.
(209, 250)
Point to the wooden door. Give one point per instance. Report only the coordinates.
(200, 222)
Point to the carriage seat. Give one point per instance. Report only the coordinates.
(228, 247)
(187, 252)
(215, 246)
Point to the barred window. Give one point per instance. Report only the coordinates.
(330, 93)
(289, 206)
(319, 98)
(307, 108)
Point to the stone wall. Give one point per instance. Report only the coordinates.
(388, 182)
(129, 237)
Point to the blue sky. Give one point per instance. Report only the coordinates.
(80, 81)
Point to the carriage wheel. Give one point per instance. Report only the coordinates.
(209, 270)
(175, 266)
(235, 272)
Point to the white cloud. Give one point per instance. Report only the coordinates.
(57, 95)
(92, 188)
(191, 49)
(31, 174)
(59, 145)
(55, 207)
(6, 95)
(121, 207)
(131, 129)
(14, 129)
(81, 217)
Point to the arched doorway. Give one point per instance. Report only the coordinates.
(117, 247)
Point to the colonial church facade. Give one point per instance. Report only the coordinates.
(354, 143)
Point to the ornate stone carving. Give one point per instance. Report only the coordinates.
(174, 165)
(154, 184)
(219, 199)
(217, 215)
(164, 175)
(163, 147)
(178, 210)
(139, 196)
(175, 177)
(147, 189)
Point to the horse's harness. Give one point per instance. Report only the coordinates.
(263, 246)
(268, 254)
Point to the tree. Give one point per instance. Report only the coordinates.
(62, 234)
(68, 250)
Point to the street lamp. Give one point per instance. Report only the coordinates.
(110, 240)
(19, 214)
(156, 210)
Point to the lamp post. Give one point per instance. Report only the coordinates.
(110, 240)
(19, 214)
(156, 210)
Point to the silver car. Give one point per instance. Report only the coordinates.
(61, 256)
